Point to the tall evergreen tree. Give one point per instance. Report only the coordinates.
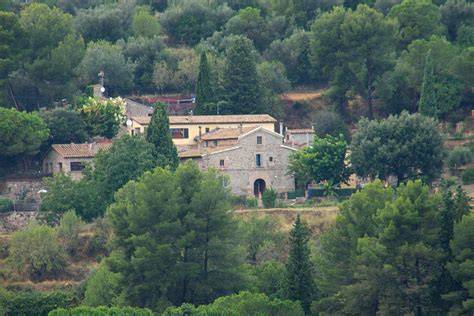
(204, 88)
(241, 84)
(299, 279)
(427, 104)
(158, 134)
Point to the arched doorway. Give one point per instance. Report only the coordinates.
(258, 187)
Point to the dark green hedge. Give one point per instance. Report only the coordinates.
(101, 311)
(6, 205)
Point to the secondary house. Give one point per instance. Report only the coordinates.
(71, 158)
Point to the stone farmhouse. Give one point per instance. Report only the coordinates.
(299, 138)
(253, 157)
(71, 158)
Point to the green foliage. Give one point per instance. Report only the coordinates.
(418, 20)
(329, 123)
(241, 84)
(102, 288)
(158, 134)
(458, 156)
(244, 303)
(68, 231)
(6, 204)
(127, 159)
(269, 197)
(248, 22)
(9, 31)
(34, 302)
(262, 238)
(21, 133)
(177, 228)
(251, 202)
(406, 146)
(468, 176)
(103, 118)
(462, 267)
(270, 278)
(428, 104)
(299, 283)
(144, 24)
(324, 161)
(65, 126)
(102, 311)
(35, 252)
(106, 57)
(205, 90)
(65, 194)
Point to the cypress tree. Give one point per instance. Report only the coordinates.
(427, 104)
(204, 87)
(158, 134)
(299, 280)
(241, 84)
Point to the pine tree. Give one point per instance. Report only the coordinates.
(427, 104)
(299, 280)
(204, 87)
(241, 84)
(158, 134)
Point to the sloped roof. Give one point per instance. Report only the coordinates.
(212, 119)
(80, 150)
(195, 152)
(226, 133)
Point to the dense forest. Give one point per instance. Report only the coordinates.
(143, 233)
(371, 51)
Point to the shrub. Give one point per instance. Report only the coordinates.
(102, 288)
(468, 176)
(6, 205)
(34, 302)
(102, 311)
(68, 231)
(36, 253)
(269, 198)
(458, 156)
(251, 202)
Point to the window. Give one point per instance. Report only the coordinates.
(207, 129)
(46, 168)
(60, 165)
(259, 140)
(136, 131)
(215, 143)
(270, 159)
(258, 160)
(221, 163)
(77, 166)
(179, 133)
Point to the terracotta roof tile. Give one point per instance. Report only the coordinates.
(80, 150)
(226, 133)
(212, 119)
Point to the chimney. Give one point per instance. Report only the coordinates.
(199, 137)
(281, 128)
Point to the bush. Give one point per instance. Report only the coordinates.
(6, 205)
(36, 253)
(269, 198)
(68, 231)
(251, 202)
(468, 176)
(102, 311)
(296, 193)
(102, 288)
(459, 156)
(34, 302)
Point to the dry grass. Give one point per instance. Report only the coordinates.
(318, 219)
(302, 96)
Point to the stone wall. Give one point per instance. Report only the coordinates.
(22, 190)
(11, 222)
(240, 164)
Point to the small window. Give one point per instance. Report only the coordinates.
(221, 163)
(259, 140)
(258, 160)
(270, 159)
(136, 131)
(179, 133)
(215, 143)
(46, 168)
(60, 165)
(207, 129)
(77, 166)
